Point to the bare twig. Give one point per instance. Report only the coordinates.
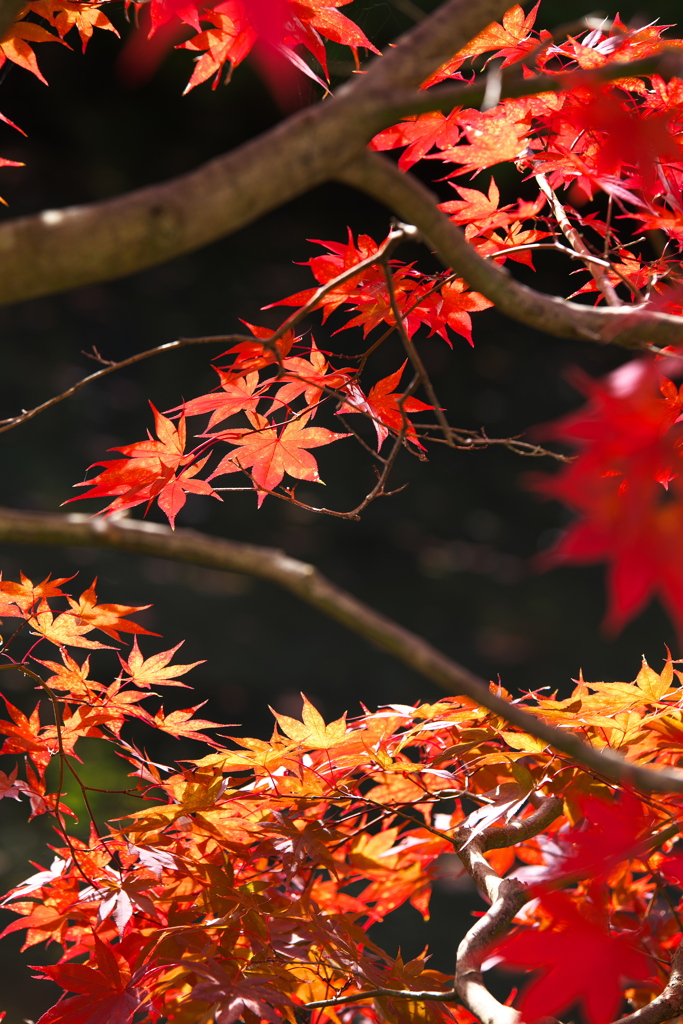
(413, 355)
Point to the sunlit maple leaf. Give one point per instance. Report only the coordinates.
(15, 46)
(269, 454)
(72, 678)
(254, 355)
(311, 731)
(493, 136)
(64, 630)
(109, 618)
(183, 723)
(149, 472)
(387, 408)
(580, 935)
(309, 377)
(155, 671)
(19, 599)
(237, 394)
(419, 134)
(511, 40)
(65, 15)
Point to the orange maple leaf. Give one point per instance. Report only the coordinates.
(270, 455)
(154, 671)
(107, 617)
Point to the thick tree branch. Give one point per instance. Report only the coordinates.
(311, 586)
(506, 895)
(668, 1004)
(9, 12)
(629, 326)
(61, 249)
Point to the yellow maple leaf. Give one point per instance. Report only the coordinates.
(312, 731)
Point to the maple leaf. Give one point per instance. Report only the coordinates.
(21, 598)
(384, 405)
(149, 472)
(282, 26)
(107, 991)
(450, 307)
(510, 38)
(254, 355)
(269, 454)
(493, 136)
(155, 671)
(64, 15)
(419, 134)
(71, 677)
(308, 377)
(236, 395)
(580, 935)
(625, 487)
(64, 629)
(183, 723)
(311, 731)
(109, 618)
(15, 46)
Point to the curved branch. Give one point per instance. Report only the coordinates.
(668, 1004)
(628, 326)
(311, 586)
(507, 897)
(61, 249)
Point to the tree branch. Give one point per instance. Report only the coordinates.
(9, 12)
(311, 586)
(628, 326)
(507, 897)
(668, 1004)
(61, 249)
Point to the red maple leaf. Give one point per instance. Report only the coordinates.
(270, 454)
(107, 992)
(625, 487)
(152, 469)
(383, 404)
(237, 394)
(254, 355)
(580, 961)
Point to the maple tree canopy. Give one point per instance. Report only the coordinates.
(246, 884)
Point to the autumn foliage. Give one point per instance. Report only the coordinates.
(246, 885)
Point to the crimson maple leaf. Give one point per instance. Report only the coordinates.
(269, 454)
(383, 404)
(107, 990)
(625, 486)
(580, 961)
(152, 469)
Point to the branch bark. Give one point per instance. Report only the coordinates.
(61, 249)
(311, 586)
(628, 326)
(506, 895)
(9, 12)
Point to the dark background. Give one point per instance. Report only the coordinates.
(450, 556)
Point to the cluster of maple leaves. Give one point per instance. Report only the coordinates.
(246, 884)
